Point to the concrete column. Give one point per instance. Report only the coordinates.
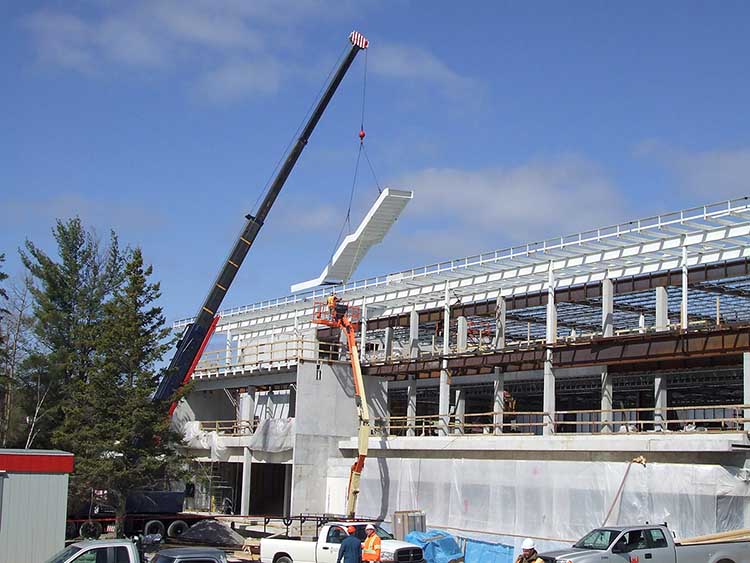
(718, 310)
(445, 387)
(549, 374)
(462, 338)
(608, 330)
(228, 356)
(414, 334)
(660, 402)
(411, 406)
(606, 402)
(642, 323)
(660, 382)
(247, 463)
(684, 302)
(746, 388)
(460, 411)
(500, 314)
(362, 333)
(498, 406)
(662, 309)
(247, 408)
(388, 343)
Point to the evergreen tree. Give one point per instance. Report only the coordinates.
(122, 438)
(69, 295)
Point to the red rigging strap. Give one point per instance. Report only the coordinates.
(198, 356)
(359, 40)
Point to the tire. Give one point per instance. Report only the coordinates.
(90, 530)
(154, 527)
(71, 530)
(177, 528)
(283, 559)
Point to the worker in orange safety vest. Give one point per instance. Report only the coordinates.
(371, 545)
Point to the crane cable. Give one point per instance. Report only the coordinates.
(347, 218)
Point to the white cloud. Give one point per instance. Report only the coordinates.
(711, 174)
(214, 41)
(237, 79)
(459, 211)
(412, 63)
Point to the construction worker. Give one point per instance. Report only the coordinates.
(351, 549)
(371, 546)
(528, 553)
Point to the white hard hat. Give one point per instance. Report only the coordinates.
(369, 527)
(528, 543)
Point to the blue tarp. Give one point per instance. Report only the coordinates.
(438, 547)
(485, 552)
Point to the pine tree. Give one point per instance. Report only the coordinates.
(122, 438)
(69, 295)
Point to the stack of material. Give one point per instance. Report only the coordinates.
(734, 535)
(212, 532)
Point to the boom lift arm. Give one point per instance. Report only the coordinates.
(196, 335)
(335, 313)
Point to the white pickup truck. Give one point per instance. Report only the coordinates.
(326, 548)
(126, 551)
(646, 544)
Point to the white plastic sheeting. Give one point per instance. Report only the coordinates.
(273, 435)
(554, 501)
(198, 439)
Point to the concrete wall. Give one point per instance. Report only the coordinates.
(204, 405)
(326, 414)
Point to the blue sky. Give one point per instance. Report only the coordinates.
(511, 121)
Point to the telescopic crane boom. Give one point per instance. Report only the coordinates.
(196, 335)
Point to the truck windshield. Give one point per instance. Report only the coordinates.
(598, 539)
(64, 555)
(362, 534)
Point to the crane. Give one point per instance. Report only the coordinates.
(196, 336)
(337, 314)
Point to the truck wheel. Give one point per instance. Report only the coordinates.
(71, 530)
(177, 528)
(283, 559)
(90, 530)
(154, 527)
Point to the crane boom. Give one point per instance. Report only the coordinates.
(196, 335)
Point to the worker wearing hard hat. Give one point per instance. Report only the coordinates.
(351, 549)
(528, 553)
(371, 545)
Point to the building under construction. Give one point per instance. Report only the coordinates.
(510, 392)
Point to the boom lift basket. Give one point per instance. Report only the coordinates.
(324, 314)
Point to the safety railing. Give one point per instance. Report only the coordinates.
(274, 354)
(680, 419)
(229, 427)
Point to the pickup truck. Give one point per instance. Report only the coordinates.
(127, 551)
(646, 544)
(326, 548)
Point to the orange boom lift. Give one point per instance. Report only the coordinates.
(337, 314)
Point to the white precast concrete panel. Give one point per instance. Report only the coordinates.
(371, 231)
